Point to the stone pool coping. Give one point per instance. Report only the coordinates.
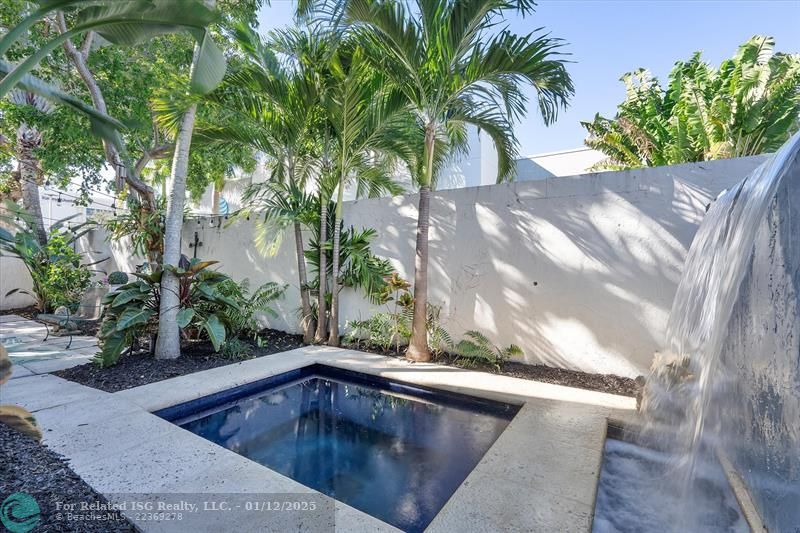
(540, 475)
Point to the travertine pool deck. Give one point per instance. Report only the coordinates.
(540, 475)
(31, 354)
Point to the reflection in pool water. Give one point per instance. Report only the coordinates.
(396, 456)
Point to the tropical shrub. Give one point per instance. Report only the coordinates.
(12, 415)
(133, 310)
(57, 275)
(143, 225)
(117, 278)
(64, 278)
(477, 347)
(236, 349)
(243, 318)
(359, 268)
(749, 105)
(391, 330)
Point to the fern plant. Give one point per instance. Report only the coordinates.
(243, 319)
(477, 347)
(391, 330)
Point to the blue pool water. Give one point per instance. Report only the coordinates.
(395, 451)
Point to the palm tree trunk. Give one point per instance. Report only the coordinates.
(418, 347)
(28, 139)
(307, 322)
(333, 338)
(168, 343)
(319, 336)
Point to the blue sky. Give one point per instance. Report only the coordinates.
(610, 37)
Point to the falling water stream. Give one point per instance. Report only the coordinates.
(707, 396)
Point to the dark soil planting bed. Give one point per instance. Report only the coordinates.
(37, 472)
(135, 370)
(609, 383)
(573, 378)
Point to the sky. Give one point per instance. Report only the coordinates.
(607, 38)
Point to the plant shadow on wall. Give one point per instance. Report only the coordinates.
(389, 332)
(59, 278)
(359, 268)
(562, 262)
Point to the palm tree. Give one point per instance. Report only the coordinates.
(456, 68)
(270, 106)
(207, 71)
(333, 137)
(29, 171)
(364, 113)
(749, 105)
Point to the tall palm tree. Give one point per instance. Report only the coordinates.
(364, 112)
(457, 64)
(324, 118)
(207, 71)
(270, 106)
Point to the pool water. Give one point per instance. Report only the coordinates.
(393, 450)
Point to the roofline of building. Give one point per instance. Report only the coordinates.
(560, 152)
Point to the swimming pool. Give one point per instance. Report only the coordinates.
(393, 450)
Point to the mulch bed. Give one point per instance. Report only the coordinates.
(573, 378)
(27, 466)
(141, 369)
(29, 312)
(609, 383)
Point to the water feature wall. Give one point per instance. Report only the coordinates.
(762, 349)
(730, 378)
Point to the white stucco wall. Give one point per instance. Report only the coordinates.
(579, 271)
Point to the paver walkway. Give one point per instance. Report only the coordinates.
(31, 354)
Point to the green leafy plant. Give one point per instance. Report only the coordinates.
(477, 347)
(236, 349)
(64, 278)
(143, 225)
(57, 275)
(243, 319)
(117, 278)
(391, 330)
(359, 268)
(132, 311)
(749, 105)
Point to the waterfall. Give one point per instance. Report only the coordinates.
(728, 382)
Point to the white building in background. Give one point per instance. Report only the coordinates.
(478, 167)
(58, 204)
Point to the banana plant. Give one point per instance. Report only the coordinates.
(132, 311)
(12, 415)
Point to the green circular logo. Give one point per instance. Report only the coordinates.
(19, 513)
